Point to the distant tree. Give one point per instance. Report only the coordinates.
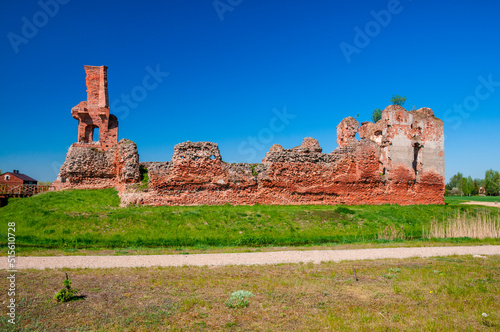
(376, 115)
(478, 183)
(44, 183)
(491, 182)
(468, 186)
(456, 183)
(1, 171)
(398, 100)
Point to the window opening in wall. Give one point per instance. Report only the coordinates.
(416, 150)
(95, 135)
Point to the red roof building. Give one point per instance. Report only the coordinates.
(16, 178)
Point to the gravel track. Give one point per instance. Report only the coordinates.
(493, 204)
(255, 258)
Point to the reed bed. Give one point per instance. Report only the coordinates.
(479, 225)
(392, 232)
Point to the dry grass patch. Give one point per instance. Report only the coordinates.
(392, 232)
(448, 293)
(475, 226)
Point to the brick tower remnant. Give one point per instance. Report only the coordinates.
(93, 163)
(94, 112)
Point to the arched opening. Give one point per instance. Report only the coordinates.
(95, 135)
(91, 133)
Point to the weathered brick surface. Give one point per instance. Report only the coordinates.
(94, 112)
(105, 163)
(91, 168)
(380, 168)
(346, 131)
(399, 160)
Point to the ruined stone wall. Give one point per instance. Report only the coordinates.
(399, 160)
(91, 168)
(103, 163)
(412, 143)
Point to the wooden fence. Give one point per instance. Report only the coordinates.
(22, 190)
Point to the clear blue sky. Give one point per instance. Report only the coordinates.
(234, 64)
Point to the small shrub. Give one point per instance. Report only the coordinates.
(239, 299)
(398, 100)
(376, 115)
(254, 172)
(66, 294)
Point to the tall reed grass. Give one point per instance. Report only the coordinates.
(392, 232)
(479, 225)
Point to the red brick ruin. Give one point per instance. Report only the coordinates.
(94, 112)
(398, 160)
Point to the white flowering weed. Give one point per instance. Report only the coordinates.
(239, 299)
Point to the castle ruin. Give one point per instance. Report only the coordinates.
(94, 112)
(398, 160)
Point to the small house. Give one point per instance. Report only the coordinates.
(16, 178)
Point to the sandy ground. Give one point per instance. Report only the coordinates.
(255, 258)
(494, 204)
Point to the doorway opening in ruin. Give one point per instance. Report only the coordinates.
(416, 150)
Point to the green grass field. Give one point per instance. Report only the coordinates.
(79, 219)
(418, 294)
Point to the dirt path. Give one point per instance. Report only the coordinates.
(494, 204)
(255, 258)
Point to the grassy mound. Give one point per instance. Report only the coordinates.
(93, 219)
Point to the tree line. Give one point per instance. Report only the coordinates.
(467, 186)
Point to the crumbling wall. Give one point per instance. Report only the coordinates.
(198, 167)
(104, 163)
(412, 144)
(90, 168)
(399, 159)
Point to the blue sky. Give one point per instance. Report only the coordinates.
(246, 74)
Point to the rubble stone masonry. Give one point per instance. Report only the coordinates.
(398, 160)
